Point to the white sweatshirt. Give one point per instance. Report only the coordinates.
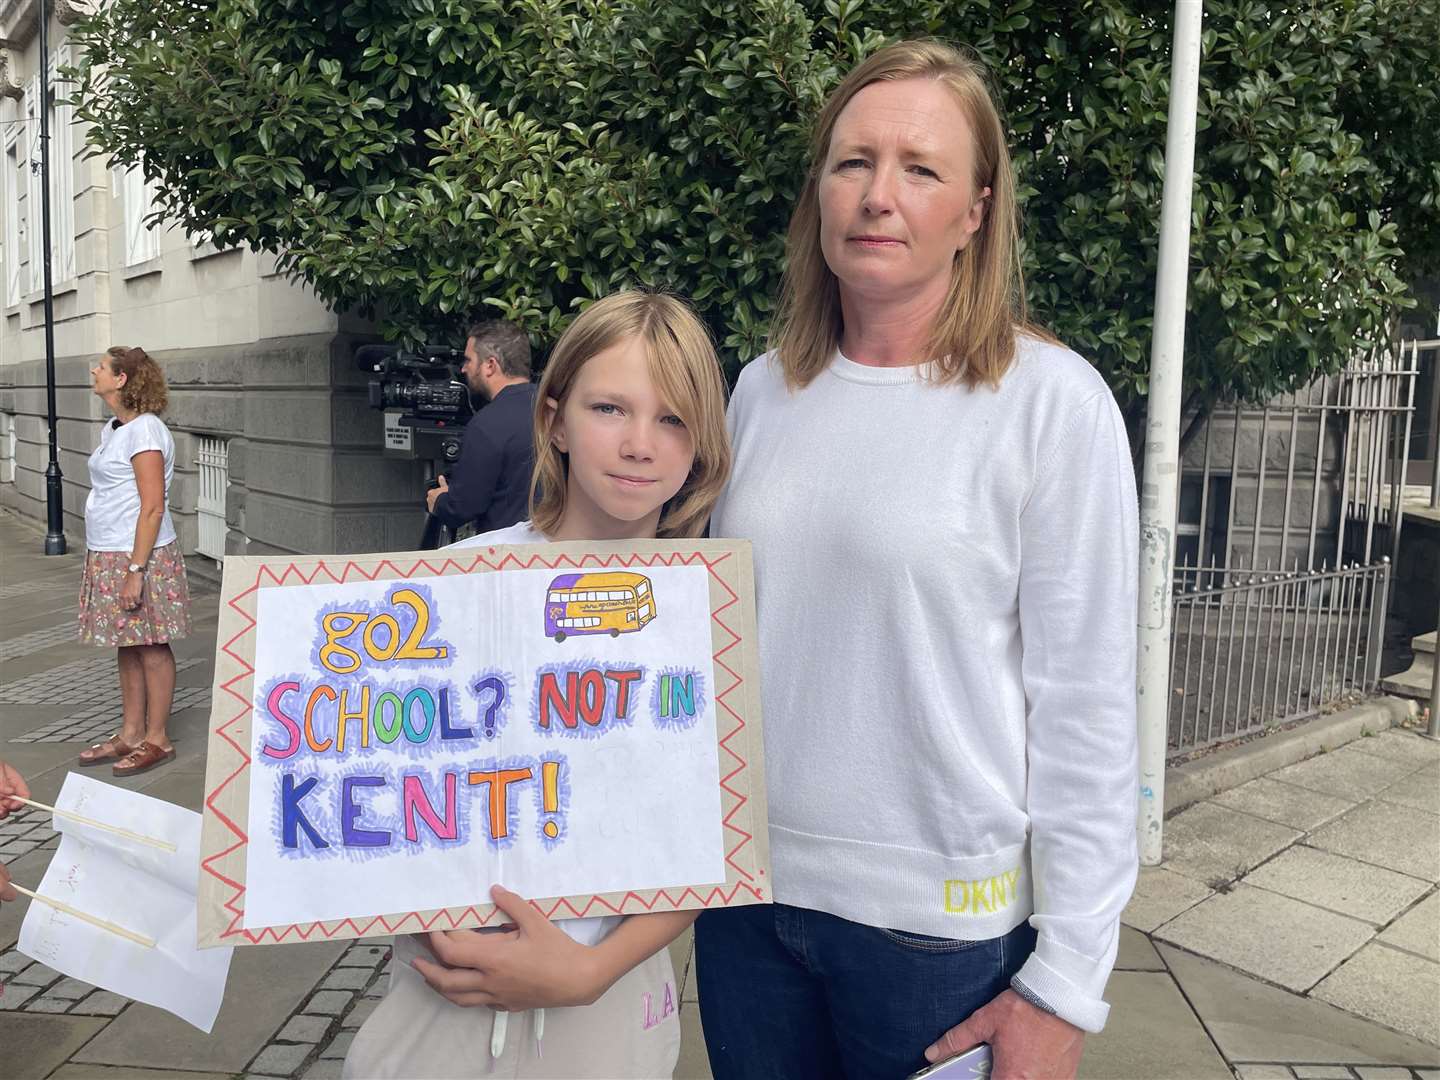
(946, 600)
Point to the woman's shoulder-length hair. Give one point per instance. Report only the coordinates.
(144, 390)
(974, 337)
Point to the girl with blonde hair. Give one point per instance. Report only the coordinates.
(944, 520)
(630, 444)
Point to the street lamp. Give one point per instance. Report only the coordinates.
(54, 503)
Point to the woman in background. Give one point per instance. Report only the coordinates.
(133, 596)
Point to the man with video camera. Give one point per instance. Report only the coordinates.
(489, 485)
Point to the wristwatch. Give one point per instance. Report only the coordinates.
(135, 568)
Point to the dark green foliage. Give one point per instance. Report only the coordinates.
(424, 158)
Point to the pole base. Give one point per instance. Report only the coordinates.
(54, 500)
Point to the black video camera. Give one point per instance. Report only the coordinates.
(424, 398)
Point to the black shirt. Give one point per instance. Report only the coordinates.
(490, 484)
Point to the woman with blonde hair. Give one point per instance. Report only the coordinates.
(133, 595)
(944, 520)
(630, 444)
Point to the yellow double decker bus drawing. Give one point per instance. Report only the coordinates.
(615, 602)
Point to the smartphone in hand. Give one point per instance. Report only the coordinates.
(973, 1064)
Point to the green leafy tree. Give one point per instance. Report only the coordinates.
(424, 159)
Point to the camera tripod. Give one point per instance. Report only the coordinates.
(434, 533)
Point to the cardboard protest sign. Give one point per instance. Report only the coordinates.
(393, 734)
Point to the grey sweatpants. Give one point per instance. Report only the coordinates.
(633, 1031)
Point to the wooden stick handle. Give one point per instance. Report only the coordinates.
(103, 924)
(163, 845)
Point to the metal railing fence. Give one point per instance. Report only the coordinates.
(1256, 649)
(1280, 616)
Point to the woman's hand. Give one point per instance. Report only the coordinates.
(130, 591)
(535, 965)
(1026, 1043)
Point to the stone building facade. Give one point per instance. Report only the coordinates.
(277, 450)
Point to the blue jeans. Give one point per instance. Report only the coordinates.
(788, 993)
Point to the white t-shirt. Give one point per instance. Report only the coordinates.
(112, 508)
(593, 930)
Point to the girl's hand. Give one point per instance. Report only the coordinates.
(130, 591)
(535, 965)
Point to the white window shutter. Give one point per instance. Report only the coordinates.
(12, 221)
(142, 243)
(32, 179)
(62, 168)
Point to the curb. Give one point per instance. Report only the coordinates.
(1195, 781)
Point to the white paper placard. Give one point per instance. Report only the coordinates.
(136, 886)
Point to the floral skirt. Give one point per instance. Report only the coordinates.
(164, 611)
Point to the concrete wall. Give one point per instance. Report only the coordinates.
(306, 473)
(250, 357)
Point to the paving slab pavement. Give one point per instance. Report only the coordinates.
(1345, 886)
(36, 1045)
(693, 1064)
(1174, 1012)
(27, 871)
(1216, 845)
(1136, 952)
(1346, 912)
(1160, 895)
(1418, 791)
(1395, 837)
(1418, 930)
(1284, 804)
(1396, 988)
(1252, 1021)
(1398, 746)
(1246, 928)
(1347, 773)
(1152, 1032)
(76, 1071)
(268, 984)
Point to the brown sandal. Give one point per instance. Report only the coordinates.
(143, 758)
(112, 749)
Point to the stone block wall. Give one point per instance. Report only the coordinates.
(305, 465)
